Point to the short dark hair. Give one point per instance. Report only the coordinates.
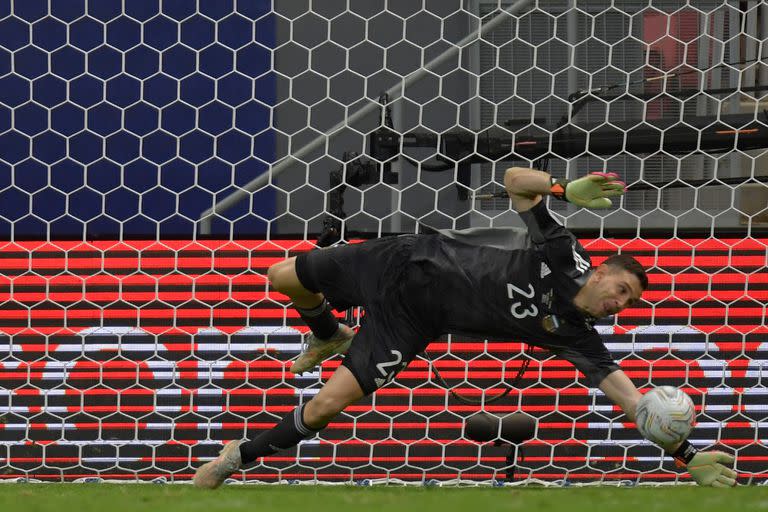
(631, 265)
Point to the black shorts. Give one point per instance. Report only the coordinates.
(378, 276)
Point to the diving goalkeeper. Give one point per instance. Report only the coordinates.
(536, 286)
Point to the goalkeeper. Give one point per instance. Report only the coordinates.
(536, 286)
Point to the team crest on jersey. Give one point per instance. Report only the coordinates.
(550, 323)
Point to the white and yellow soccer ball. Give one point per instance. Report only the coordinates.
(665, 415)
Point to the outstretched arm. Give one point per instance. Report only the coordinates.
(622, 392)
(706, 468)
(527, 186)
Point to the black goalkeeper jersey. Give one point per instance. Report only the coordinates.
(515, 284)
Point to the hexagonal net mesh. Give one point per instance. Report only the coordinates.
(157, 157)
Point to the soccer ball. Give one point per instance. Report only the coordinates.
(665, 415)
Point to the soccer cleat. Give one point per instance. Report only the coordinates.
(316, 350)
(212, 474)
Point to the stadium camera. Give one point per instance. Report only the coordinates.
(511, 431)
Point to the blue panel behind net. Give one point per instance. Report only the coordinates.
(131, 122)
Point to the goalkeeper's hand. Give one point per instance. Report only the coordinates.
(594, 190)
(708, 469)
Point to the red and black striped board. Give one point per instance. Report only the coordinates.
(134, 359)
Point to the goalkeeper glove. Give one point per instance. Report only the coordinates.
(708, 470)
(590, 191)
(706, 467)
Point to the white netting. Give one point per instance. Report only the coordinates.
(157, 157)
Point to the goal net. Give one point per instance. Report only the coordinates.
(157, 157)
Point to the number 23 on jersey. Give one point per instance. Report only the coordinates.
(517, 309)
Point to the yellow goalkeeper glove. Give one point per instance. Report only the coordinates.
(708, 470)
(590, 191)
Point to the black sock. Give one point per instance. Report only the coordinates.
(285, 434)
(320, 319)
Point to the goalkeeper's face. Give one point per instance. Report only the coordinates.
(610, 290)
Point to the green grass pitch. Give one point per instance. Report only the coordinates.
(178, 498)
